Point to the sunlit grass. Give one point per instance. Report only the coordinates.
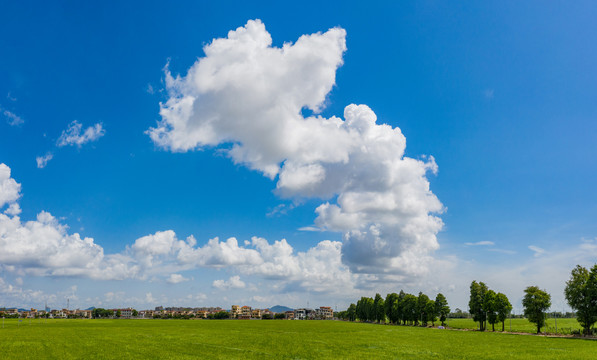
(273, 339)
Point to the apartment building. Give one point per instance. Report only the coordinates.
(256, 314)
(245, 312)
(235, 312)
(325, 313)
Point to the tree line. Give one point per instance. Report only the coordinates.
(400, 309)
(485, 305)
(580, 293)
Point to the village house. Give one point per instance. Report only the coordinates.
(256, 314)
(245, 312)
(124, 313)
(325, 313)
(300, 314)
(235, 312)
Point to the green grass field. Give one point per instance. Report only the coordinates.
(237, 339)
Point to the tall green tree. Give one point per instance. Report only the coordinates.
(389, 304)
(398, 307)
(379, 312)
(502, 307)
(409, 309)
(430, 314)
(351, 312)
(475, 304)
(535, 303)
(422, 301)
(441, 308)
(581, 294)
(489, 307)
(365, 309)
(369, 309)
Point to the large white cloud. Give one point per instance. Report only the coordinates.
(10, 190)
(248, 96)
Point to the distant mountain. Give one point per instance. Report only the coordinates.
(280, 309)
(91, 308)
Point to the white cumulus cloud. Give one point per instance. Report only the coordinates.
(247, 96)
(10, 190)
(176, 278)
(233, 283)
(74, 134)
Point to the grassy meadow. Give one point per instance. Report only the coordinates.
(274, 339)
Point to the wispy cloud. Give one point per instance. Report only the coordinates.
(11, 118)
(74, 135)
(309, 228)
(281, 209)
(480, 243)
(503, 251)
(538, 251)
(42, 161)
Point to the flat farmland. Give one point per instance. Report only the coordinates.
(274, 339)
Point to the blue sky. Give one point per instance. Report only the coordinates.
(501, 95)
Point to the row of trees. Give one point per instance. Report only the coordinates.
(401, 308)
(486, 306)
(580, 293)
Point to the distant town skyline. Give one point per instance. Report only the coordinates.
(200, 154)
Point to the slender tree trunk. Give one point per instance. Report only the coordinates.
(503, 325)
(493, 327)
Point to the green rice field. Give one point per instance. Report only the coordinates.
(273, 339)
